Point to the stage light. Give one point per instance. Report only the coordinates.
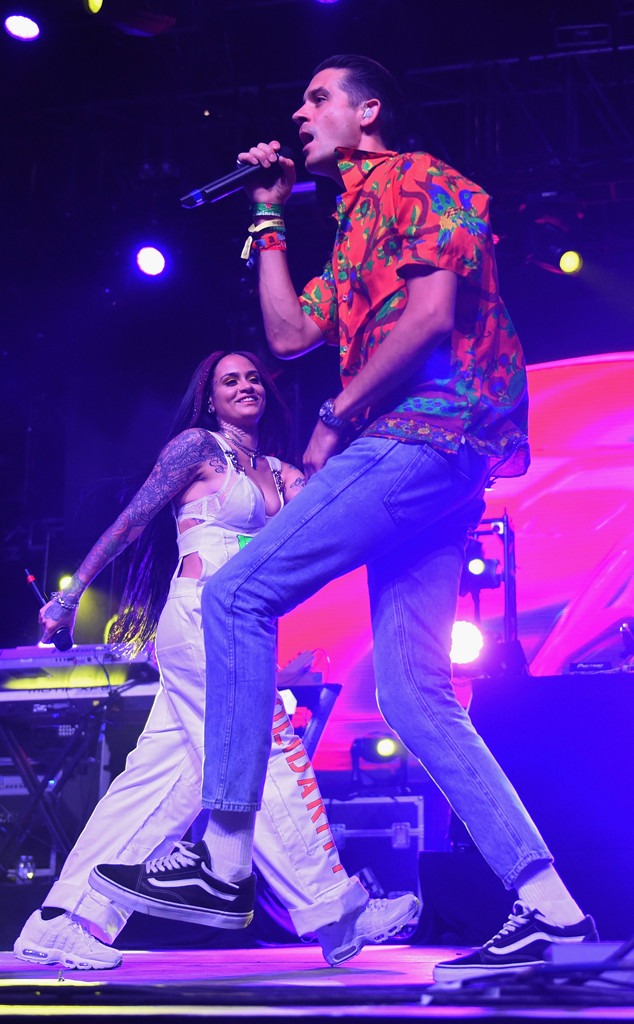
(626, 629)
(376, 749)
(485, 657)
(150, 260)
(93, 6)
(570, 262)
(387, 748)
(479, 573)
(21, 27)
(551, 249)
(380, 749)
(553, 219)
(25, 868)
(64, 582)
(467, 642)
(476, 566)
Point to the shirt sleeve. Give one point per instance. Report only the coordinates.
(319, 301)
(442, 219)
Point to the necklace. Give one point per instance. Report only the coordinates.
(252, 453)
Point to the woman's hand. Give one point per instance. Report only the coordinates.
(53, 617)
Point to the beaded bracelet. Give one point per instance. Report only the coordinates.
(58, 597)
(267, 210)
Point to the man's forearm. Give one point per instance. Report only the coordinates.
(288, 330)
(395, 362)
(425, 323)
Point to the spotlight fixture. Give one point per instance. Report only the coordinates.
(570, 262)
(379, 749)
(626, 629)
(476, 651)
(479, 573)
(553, 220)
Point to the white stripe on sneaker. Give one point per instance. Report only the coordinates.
(160, 883)
(527, 940)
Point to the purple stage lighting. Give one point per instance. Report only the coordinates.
(21, 27)
(150, 260)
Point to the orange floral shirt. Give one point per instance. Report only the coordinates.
(399, 212)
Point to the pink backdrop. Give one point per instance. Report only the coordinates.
(573, 516)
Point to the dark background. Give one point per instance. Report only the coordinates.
(107, 120)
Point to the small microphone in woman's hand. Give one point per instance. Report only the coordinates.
(62, 637)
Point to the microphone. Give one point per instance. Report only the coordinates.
(231, 183)
(62, 637)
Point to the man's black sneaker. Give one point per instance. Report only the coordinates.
(520, 943)
(180, 886)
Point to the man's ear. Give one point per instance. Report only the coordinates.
(369, 112)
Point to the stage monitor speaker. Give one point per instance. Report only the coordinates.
(566, 744)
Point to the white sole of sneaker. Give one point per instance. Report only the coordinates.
(71, 963)
(170, 911)
(454, 976)
(373, 938)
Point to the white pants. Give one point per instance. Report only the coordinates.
(152, 803)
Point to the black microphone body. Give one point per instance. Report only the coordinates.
(231, 183)
(62, 637)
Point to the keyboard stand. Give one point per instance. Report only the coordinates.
(44, 793)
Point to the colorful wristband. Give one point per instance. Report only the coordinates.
(271, 240)
(268, 240)
(267, 210)
(274, 223)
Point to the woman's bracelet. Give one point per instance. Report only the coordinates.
(64, 601)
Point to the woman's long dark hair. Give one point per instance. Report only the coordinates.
(154, 556)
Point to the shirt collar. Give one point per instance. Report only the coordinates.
(355, 165)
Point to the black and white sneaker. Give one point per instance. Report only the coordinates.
(181, 887)
(520, 943)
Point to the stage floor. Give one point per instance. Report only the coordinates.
(389, 982)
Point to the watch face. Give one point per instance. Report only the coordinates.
(326, 413)
(328, 417)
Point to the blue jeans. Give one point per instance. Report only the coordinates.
(404, 510)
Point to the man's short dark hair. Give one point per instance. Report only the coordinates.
(367, 79)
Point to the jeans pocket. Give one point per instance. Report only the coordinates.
(419, 491)
(471, 465)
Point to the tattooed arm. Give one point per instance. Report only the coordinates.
(179, 465)
(292, 480)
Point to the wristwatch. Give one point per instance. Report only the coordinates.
(327, 416)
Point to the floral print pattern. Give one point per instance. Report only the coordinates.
(399, 212)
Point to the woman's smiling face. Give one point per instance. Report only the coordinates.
(238, 394)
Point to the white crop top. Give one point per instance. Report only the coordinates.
(228, 518)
